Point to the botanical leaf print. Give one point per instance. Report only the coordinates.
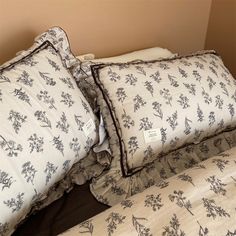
(223, 86)
(10, 147)
(126, 203)
(63, 124)
(186, 177)
(113, 220)
(67, 99)
(182, 73)
(220, 163)
(197, 76)
(213, 210)
(127, 121)
(153, 201)
(165, 93)
(85, 106)
(49, 171)
(5, 180)
(191, 88)
(4, 79)
(206, 96)
(54, 64)
(183, 101)
(157, 108)
(15, 204)
(121, 94)
(138, 102)
(66, 166)
(79, 121)
(211, 118)
(203, 231)
(216, 185)
(156, 77)
(219, 102)
(174, 228)
(133, 145)
(145, 124)
(21, 95)
(140, 228)
(131, 79)
(181, 201)
(17, 120)
(47, 99)
(75, 146)
(35, 143)
(148, 85)
(200, 114)
(113, 76)
(172, 80)
(68, 82)
(89, 143)
(41, 116)
(86, 227)
(187, 126)
(163, 135)
(25, 79)
(58, 144)
(231, 110)
(29, 62)
(140, 69)
(172, 120)
(47, 79)
(29, 172)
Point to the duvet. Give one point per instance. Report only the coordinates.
(199, 201)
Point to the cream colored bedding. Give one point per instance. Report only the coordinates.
(199, 201)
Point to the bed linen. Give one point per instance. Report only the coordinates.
(198, 201)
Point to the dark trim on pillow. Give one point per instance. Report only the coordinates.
(126, 170)
(44, 45)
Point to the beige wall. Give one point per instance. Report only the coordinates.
(221, 34)
(106, 27)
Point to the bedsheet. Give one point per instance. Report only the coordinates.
(199, 201)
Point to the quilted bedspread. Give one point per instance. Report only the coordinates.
(199, 201)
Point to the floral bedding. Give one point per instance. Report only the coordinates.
(199, 201)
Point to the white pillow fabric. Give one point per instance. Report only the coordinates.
(145, 54)
(162, 105)
(46, 125)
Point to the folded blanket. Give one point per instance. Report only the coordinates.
(199, 201)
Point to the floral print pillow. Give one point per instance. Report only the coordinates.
(46, 126)
(162, 105)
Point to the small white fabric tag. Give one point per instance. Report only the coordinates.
(152, 135)
(89, 127)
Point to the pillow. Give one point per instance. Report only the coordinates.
(162, 105)
(46, 125)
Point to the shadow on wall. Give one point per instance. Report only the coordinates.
(24, 39)
(221, 33)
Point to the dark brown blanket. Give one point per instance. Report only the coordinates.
(73, 208)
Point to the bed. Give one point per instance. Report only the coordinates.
(146, 133)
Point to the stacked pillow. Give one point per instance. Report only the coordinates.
(162, 105)
(156, 110)
(46, 125)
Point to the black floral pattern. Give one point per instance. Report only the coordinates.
(39, 140)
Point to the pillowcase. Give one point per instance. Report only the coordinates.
(46, 125)
(162, 105)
